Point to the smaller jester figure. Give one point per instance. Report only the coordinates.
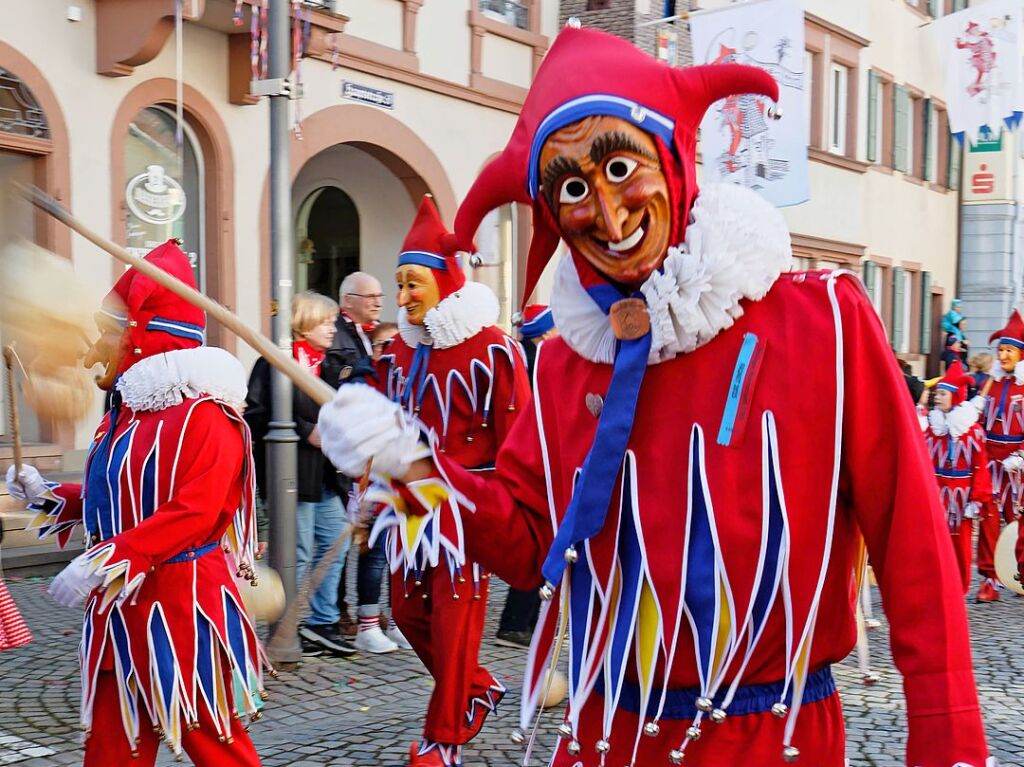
(983, 56)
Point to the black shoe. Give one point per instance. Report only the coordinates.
(326, 637)
(513, 639)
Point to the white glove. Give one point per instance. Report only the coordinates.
(972, 510)
(360, 424)
(27, 485)
(74, 583)
(1013, 462)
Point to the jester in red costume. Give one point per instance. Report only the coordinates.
(166, 503)
(691, 520)
(956, 444)
(1002, 415)
(983, 55)
(465, 381)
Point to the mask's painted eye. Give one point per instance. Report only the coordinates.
(619, 169)
(573, 190)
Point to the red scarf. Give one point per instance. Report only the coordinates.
(367, 327)
(307, 356)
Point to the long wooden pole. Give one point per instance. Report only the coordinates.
(318, 390)
(12, 408)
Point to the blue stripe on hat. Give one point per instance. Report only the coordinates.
(422, 258)
(1011, 342)
(587, 106)
(947, 387)
(178, 328)
(539, 325)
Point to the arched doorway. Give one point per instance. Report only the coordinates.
(326, 241)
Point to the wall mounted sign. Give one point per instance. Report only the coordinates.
(367, 95)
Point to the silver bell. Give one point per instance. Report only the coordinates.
(780, 709)
(565, 730)
(571, 555)
(573, 22)
(546, 592)
(718, 715)
(790, 754)
(517, 736)
(705, 705)
(775, 112)
(675, 756)
(651, 729)
(693, 732)
(602, 746)
(573, 748)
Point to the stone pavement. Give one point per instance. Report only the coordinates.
(363, 712)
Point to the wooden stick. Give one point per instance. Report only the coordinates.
(12, 408)
(318, 390)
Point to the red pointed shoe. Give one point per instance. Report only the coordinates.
(436, 755)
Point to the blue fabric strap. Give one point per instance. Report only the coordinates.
(749, 699)
(97, 489)
(588, 508)
(1003, 397)
(190, 555)
(418, 370)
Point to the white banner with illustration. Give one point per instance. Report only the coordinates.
(980, 51)
(740, 143)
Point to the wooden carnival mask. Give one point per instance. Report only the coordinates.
(1009, 355)
(106, 350)
(603, 180)
(418, 291)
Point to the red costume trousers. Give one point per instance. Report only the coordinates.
(108, 745)
(963, 547)
(988, 533)
(445, 632)
(750, 739)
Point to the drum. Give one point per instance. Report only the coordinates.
(1006, 559)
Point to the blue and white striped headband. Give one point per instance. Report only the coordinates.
(587, 106)
(947, 387)
(539, 325)
(425, 258)
(178, 328)
(1011, 342)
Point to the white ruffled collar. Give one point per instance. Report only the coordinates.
(956, 422)
(998, 374)
(455, 319)
(736, 247)
(164, 380)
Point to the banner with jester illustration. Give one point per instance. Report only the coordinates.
(740, 142)
(980, 49)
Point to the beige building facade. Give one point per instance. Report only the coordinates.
(400, 98)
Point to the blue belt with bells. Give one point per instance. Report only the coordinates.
(190, 555)
(749, 699)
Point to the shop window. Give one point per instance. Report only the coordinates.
(511, 12)
(165, 192)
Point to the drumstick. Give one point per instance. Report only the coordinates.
(318, 390)
(12, 408)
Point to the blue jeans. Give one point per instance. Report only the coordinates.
(370, 572)
(319, 524)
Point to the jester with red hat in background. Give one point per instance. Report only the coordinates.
(166, 503)
(956, 444)
(465, 382)
(1002, 414)
(690, 515)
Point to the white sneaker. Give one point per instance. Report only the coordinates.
(398, 638)
(372, 640)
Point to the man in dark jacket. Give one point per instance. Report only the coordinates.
(361, 300)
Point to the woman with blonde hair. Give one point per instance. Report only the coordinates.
(320, 516)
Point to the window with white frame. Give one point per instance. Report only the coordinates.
(876, 91)
(838, 89)
(931, 155)
(514, 12)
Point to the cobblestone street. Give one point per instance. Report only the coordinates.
(365, 711)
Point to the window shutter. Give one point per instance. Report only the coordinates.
(870, 278)
(901, 113)
(872, 116)
(959, 5)
(928, 114)
(935, 8)
(898, 298)
(954, 159)
(926, 312)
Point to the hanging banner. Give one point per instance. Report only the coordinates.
(740, 142)
(980, 50)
